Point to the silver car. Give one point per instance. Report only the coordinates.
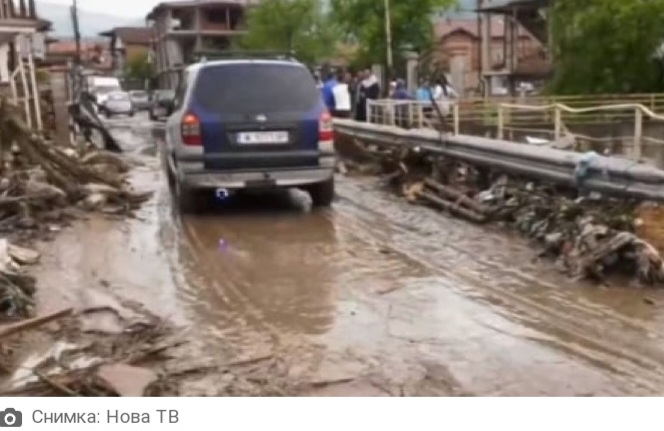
(118, 103)
(140, 99)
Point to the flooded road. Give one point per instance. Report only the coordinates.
(371, 297)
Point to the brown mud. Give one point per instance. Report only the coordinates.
(371, 297)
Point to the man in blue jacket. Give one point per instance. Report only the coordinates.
(328, 96)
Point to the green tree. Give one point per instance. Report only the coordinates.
(607, 46)
(298, 25)
(138, 67)
(363, 21)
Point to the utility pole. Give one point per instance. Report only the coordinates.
(76, 79)
(77, 32)
(388, 38)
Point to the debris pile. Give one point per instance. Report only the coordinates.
(588, 234)
(39, 179)
(95, 362)
(16, 286)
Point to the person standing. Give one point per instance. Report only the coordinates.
(341, 95)
(444, 95)
(328, 97)
(369, 90)
(400, 92)
(352, 89)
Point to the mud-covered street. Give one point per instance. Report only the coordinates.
(372, 297)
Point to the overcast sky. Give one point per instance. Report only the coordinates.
(129, 9)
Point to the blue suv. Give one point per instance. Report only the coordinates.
(248, 124)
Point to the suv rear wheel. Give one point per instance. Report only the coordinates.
(322, 194)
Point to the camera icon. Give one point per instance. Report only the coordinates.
(10, 418)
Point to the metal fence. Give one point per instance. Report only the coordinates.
(412, 113)
(635, 127)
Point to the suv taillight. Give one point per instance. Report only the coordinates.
(191, 130)
(325, 131)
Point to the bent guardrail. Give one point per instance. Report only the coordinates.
(609, 175)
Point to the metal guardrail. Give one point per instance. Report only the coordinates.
(609, 175)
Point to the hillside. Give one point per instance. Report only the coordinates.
(91, 23)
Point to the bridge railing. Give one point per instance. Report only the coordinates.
(550, 122)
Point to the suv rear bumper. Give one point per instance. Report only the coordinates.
(193, 175)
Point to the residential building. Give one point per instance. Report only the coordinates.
(460, 49)
(529, 16)
(126, 43)
(94, 54)
(17, 18)
(183, 27)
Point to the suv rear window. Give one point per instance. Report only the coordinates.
(250, 88)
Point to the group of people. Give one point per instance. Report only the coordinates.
(346, 95)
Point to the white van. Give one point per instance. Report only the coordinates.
(102, 86)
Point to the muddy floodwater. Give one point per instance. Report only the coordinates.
(371, 297)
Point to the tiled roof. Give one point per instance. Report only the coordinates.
(69, 47)
(446, 27)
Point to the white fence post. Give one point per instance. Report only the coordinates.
(557, 123)
(638, 133)
(501, 122)
(455, 116)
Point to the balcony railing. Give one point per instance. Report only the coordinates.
(17, 9)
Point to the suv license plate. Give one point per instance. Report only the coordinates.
(262, 138)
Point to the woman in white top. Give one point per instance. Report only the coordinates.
(341, 94)
(444, 94)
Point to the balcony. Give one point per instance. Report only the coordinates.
(17, 10)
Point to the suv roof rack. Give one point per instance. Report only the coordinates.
(204, 55)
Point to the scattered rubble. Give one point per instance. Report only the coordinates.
(94, 364)
(16, 286)
(40, 181)
(589, 235)
(41, 184)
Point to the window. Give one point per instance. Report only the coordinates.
(216, 16)
(251, 88)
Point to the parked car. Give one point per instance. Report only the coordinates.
(248, 124)
(140, 99)
(159, 103)
(117, 103)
